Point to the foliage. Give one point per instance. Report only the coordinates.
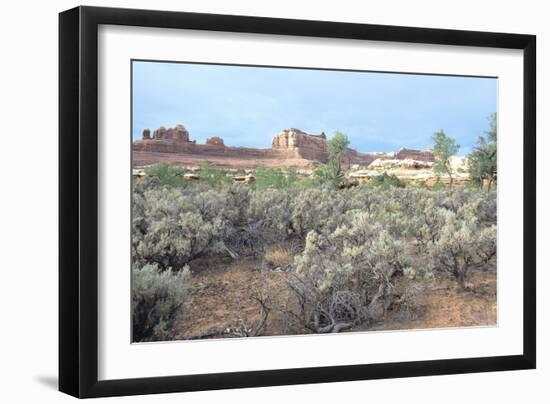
(438, 186)
(157, 298)
(167, 174)
(320, 208)
(331, 172)
(280, 178)
(270, 178)
(460, 246)
(386, 181)
(482, 161)
(338, 145)
(323, 225)
(347, 276)
(444, 148)
(171, 228)
(213, 176)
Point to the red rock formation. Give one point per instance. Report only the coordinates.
(314, 147)
(290, 147)
(215, 141)
(310, 147)
(178, 132)
(419, 155)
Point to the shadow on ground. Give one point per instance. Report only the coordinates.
(48, 381)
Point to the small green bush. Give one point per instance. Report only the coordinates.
(386, 181)
(213, 176)
(279, 178)
(167, 174)
(157, 299)
(438, 186)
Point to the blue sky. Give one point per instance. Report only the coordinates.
(247, 106)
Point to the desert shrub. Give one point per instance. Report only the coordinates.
(319, 208)
(238, 197)
(364, 198)
(386, 181)
(279, 256)
(172, 226)
(157, 299)
(461, 245)
(426, 220)
(213, 176)
(269, 211)
(487, 208)
(267, 177)
(215, 204)
(438, 186)
(280, 178)
(167, 174)
(140, 185)
(346, 277)
(169, 229)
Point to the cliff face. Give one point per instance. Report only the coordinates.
(314, 147)
(419, 155)
(307, 146)
(176, 133)
(291, 147)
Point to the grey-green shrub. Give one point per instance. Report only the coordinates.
(347, 275)
(170, 228)
(462, 245)
(157, 300)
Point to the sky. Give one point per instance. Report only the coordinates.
(247, 106)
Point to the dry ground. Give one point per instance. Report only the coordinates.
(142, 158)
(220, 301)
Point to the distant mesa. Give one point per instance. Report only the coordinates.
(290, 147)
(215, 141)
(411, 154)
(292, 137)
(176, 133)
(305, 145)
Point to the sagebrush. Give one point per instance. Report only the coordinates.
(352, 254)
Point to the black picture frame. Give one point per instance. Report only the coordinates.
(78, 201)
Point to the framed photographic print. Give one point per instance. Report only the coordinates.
(250, 201)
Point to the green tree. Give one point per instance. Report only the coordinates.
(331, 172)
(444, 148)
(482, 161)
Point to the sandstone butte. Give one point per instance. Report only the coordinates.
(290, 148)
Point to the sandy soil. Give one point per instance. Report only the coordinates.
(141, 158)
(445, 305)
(220, 301)
(222, 297)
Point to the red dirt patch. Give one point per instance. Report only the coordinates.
(446, 305)
(221, 291)
(243, 162)
(221, 297)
